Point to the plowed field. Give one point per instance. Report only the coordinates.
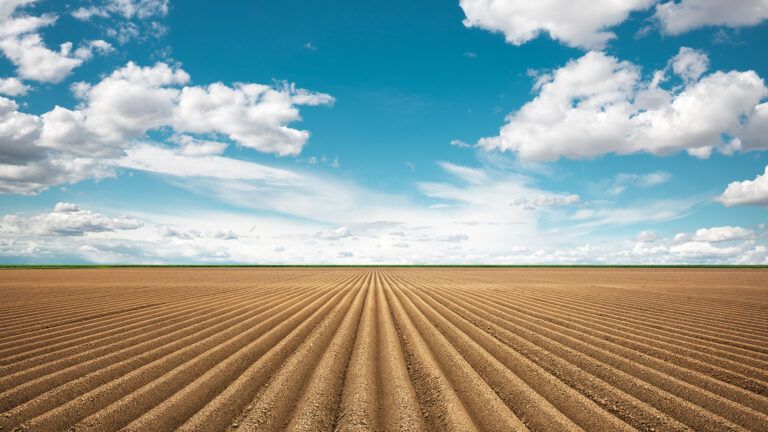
(390, 349)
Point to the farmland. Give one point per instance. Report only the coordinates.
(391, 349)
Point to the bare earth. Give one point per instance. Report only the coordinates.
(389, 349)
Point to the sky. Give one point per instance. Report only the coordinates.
(398, 132)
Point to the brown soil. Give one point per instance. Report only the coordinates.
(384, 349)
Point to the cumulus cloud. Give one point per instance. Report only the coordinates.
(721, 234)
(67, 219)
(254, 115)
(26, 165)
(723, 244)
(755, 136)
(18, 133)
(579, 23)
(690, 64)
(747, 192)
(697, 249)
(35, 61)
(114, 114)
(598, 105)
(587, 23)
(13, 87)
(86, 51)
(678, 17)
(717, 245)
(23, 45)
(133, 100)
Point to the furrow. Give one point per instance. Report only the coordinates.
(360, 396)
(483, 405)
(637, 380)
(175, 369)
(400, 409)
(289, 365)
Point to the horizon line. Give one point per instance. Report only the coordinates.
(97, 266)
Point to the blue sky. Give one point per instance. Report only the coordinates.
(152, 131)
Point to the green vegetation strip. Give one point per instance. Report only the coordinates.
(110, 266)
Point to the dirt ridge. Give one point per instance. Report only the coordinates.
(384, 349)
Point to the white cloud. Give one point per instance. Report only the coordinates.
(86, 13)
(747, 192)
(549, 201)
(646, 237)
(224, 234)
(577, 23)
(715, 245)
(696, 249)
(653, 179)
(721, 234)
(658, 211)
(25, 48)
(15, 23)
(333, 234)
(254, 115)
(13, 87)
(140, 8)
(99, 46)
(348, 217)
(690, 64)
(191, 146)
(597, 105)
(126, 20)
(546, 201)
(131, 101)
(128, 9)
(18, 134)
(452, 238)
(469, 175)
(35, 61)
(67, 219)
(116, 113)
(587, 23)
(65, 207)
(178, 233)
(421, 237)
(755, 136)
(460, 144)
(681, 16)
(166, 161)
(623, 181)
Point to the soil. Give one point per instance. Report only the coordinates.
(384, 349)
